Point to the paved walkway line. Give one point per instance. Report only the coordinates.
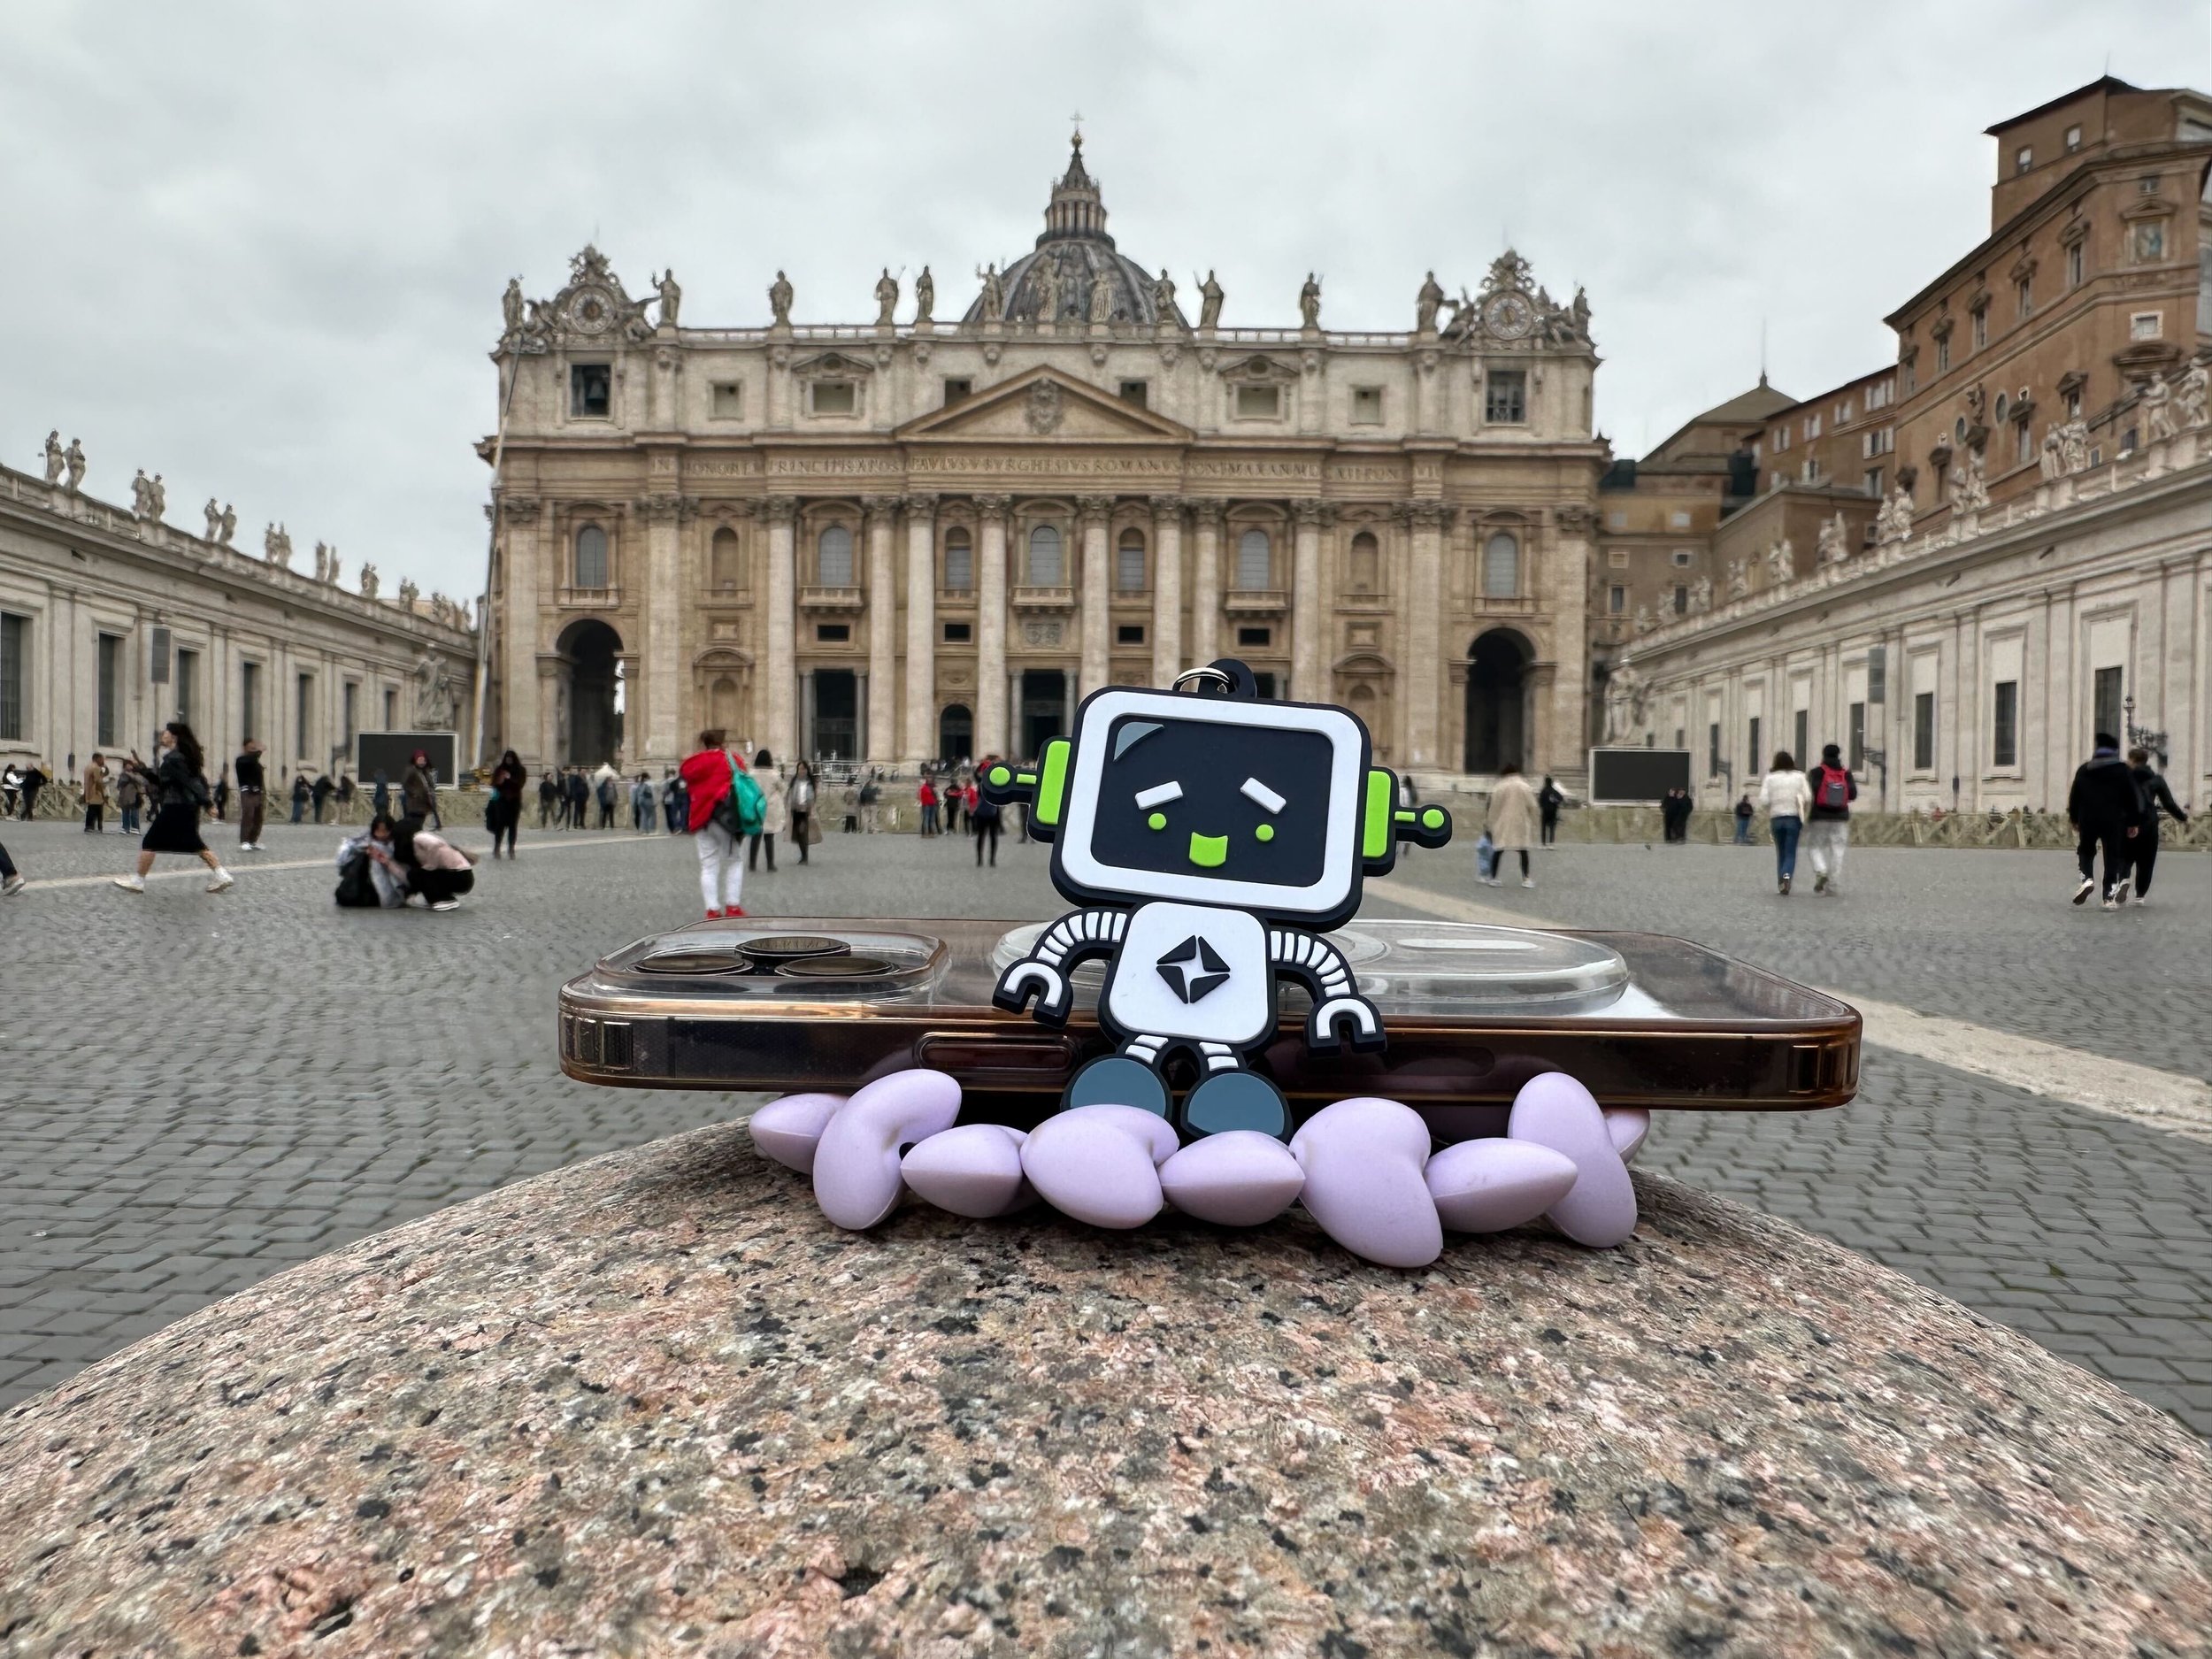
(198, 871)
(2145, 1094)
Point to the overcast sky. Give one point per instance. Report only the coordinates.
(259, 250)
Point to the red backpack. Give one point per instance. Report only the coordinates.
(1833, 793)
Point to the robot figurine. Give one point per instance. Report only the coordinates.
(1212, 838)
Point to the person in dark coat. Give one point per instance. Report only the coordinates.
(1674, 815)
(2156, 796)
(1549, 800)
(2106, 807)
(418, 792)
(181, 791)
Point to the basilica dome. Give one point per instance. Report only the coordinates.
(1068, 259)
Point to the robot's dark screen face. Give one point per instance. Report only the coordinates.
(1214, 802)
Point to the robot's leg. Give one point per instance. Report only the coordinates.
(1230, 1097)
(1128, 1079)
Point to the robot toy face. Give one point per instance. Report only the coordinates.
(1248, 805)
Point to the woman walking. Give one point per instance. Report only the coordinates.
(775, 814)
(502, 813)
(180, 792)
(711, 778)
(800, 803)
(1512, 820)
(1785, 797)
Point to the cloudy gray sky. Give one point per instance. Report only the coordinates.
(259, 248)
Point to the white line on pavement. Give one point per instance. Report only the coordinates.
(198, 871)
(2145, 1094)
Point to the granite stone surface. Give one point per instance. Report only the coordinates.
(656, 1403)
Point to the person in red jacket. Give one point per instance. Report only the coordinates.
(709, 776)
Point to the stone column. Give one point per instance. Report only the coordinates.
(1305, 606)
(1097, 588)
(921, 626)
(1167, 589)
(1424, 632)
(883, 630)
(1205, 600)
(517, 637)
(656, 741)
(1563, 585)
(780, 730)
(992, 734)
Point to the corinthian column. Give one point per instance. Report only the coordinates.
(1305, 606)
(991, 736)
(780, 732)
(1167, 589)
(1424, 625)
(883, 630)
(1096, 589)
(921, 627)
(518, 633)
(660, 651)
(1205, 600)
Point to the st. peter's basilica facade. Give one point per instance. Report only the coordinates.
(909, 540)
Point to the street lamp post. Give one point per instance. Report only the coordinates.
(2143, 736)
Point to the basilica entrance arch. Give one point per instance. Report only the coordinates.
(1497, 700)
(591, 649)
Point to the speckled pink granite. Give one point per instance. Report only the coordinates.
(657, 1404)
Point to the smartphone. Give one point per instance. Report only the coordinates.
(1471, 1012)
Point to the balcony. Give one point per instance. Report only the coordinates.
(1256, 602)
(1044, 598)
(587, 598)
(956, 598)
(832, 599)
(1494, 605)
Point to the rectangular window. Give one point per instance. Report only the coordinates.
(391, 710)
(2146, 324)
(2022, 444)
(2075, 266)
(2023, 159)
(1880, 395)
(590, 390)
(959, 632)
(959, 566)
(1256, 636)
(1678, 520)
(1616, 599)
(249, 702)
(1843, 411)
(833, 397)
(2109, 690)
(1681, 600)
(1812, 426)
(352, 698)
(1367, 405)
(2150, 241)
(1912, 378)
(1137, 392)
(1129, 633)
(1712, 749)
(2004, 737)
(1943, 354)
(110, 702)
(189, 686)
(1616, 559)
(1981, 329)
(1801, 730)
(1505, 400)
(2023, 296)
(1923, 731)
(832, 632)
(954, 390)
(1259, 403)
(15, 675)
(1870, 480)
(1857, 751)
(1129, 568)
(1751, 755)
(304, 717)
(1684, 557)
(2073, 140)
(1781, 439)
(726, 400)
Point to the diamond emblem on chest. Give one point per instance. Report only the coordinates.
(1193, 969)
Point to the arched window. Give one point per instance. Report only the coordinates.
(1129, 563)
(833, 557)
(959, 561)
(1502, 566)
(1366, 562)
(1255, 561)
(722, 559)
(1045, 568)
(591, 557)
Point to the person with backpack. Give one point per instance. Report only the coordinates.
(1744, 812)
(725, 805)
(1828, 831)
(183, 795)
(1787, 796)
(2106, 807)
(2155, 795)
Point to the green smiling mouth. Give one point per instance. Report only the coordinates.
(1208, 852)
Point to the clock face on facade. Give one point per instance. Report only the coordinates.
(1507, 316)
(589, 311)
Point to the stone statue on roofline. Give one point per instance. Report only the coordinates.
(886, 298)
(780, 301)
(924, 297)
(54, 460)
(1210, 303)
(2189, 397)
(1427, 303)
(672, 297)
(1309, 302)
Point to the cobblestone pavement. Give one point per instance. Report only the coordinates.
(203, 1089)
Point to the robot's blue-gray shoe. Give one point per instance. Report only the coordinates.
(1116, 1079)
(1235, 1100)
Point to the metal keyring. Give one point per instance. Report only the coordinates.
(1228, 686)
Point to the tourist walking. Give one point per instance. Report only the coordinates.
(95, 794)
(2155, 795)
(299, 799)
(502, 813)
(438, 873)
(322, 792)
(925, 797)
(1786, 796)
(180, 792)
(251, 799)
(2106, 807)
(1549, 800)
(641, 816)
(1512, 819)
(1744, 810)
(11, 881)
(1828, 827)
(870, 804)
(775, 814)
(11, 789)
(27, 786)
(984, 816)
(130, 790)
(419, 791)
(799, 802)
(548, 793)
(725, 804)
(674, 805)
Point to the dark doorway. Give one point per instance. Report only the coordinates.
(1496, 702)
(836, 714)
(955, 732)
(1044, 709)
(594, 726)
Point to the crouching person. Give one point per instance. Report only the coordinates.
(370, 874)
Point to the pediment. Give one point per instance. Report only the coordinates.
(1045, 406)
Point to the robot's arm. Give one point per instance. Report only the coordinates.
(1044, 973)
(1320, 967)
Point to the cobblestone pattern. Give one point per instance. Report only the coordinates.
(204, 1089)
